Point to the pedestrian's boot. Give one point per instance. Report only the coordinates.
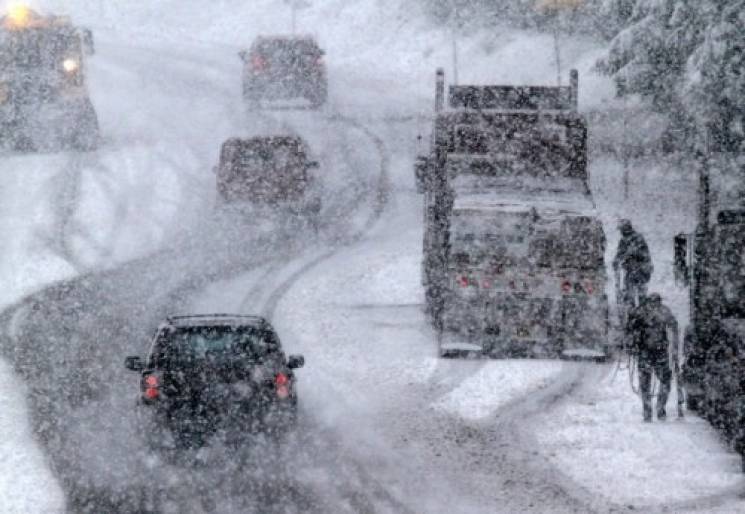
(661, 414)
(647, 413)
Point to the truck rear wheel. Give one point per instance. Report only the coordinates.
(692, 402)
(85, 137)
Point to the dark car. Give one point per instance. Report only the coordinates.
(284, 67)
(216, 373)
(270, 171)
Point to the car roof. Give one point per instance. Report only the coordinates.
(303, 38)
(267, 142)
(276, 140)
(209, 320)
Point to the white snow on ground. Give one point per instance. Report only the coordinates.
(25, 214)
(599, 439)
(495, 384)
(357, 318)
(26, 483)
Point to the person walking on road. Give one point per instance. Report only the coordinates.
(633, 258)
(654, 342)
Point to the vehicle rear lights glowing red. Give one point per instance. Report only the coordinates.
(463, 281)
(589, 287)
(283, 392)
(258, 62)
(566, 286)
(282, 384)
(151, 385)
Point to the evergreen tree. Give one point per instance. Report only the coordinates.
(686, 58)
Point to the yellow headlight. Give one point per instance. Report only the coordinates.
(70, 65)
(18, 15)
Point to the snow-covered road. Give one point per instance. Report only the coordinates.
(386, 425)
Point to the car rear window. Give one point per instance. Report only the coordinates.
(278, 47)
(257, 156)
(197, 344)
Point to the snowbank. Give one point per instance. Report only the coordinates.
(26, 483)
(598, 438)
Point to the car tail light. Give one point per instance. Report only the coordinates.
(463, 281)
(589, 287)
(151, 387)
(566, 287)
(258, 62)
(282, 385)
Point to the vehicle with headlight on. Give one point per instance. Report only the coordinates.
(216, 373)
(284, 68)
(44, 100)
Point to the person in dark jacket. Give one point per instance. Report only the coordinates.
(632, 257)
(654, 342)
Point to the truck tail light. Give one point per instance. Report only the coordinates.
(258, 63)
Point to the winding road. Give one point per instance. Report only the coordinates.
(69, 339)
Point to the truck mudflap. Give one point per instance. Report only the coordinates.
(584, 328)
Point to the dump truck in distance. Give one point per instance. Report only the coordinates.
(513, 259)
(44, 101)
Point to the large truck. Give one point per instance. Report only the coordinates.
(513, 260)
(44, 101)
(711, 262)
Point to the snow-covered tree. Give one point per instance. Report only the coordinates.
(686, 58)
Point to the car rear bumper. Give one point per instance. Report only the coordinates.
(266, 87)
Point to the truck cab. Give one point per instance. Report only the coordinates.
(44, 101)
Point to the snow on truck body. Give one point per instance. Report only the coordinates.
(513, 250)
(44, 100)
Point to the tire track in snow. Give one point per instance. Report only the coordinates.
(359, 501)
(59, 305)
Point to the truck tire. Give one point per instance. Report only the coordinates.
(85, 138)
(23, 144)
(693, 402)
(318, 98)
